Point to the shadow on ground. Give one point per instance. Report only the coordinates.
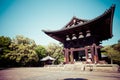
(75, 79)
(4, 68)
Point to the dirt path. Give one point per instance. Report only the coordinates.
(47, 74)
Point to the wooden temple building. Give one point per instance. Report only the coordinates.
(82, 38)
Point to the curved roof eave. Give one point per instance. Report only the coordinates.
(111, 9)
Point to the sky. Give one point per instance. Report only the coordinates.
(30, 17)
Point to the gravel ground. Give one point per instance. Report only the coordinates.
(37, 73)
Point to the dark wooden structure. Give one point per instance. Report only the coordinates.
(82, 38)
(47, 60)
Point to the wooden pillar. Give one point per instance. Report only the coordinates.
(66, 54)
(86, 53)
(71, 55)
(92, 53)
(95, 53)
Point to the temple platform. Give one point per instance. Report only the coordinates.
(79, 66)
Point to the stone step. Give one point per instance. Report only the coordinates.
(85, 67)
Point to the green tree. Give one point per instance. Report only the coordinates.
(110, 52)
(22, 52)
(4, 43)
(113, 52)
(41, 51)
(55, 51)
(4, 49)
(117, 46)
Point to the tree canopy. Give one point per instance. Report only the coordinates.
(4, 49)
(22, 52)
(113, 52)
(55, 51)
(41, 51)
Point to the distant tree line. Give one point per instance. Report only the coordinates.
(22, 51)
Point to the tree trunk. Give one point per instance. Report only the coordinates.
(111, 61)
